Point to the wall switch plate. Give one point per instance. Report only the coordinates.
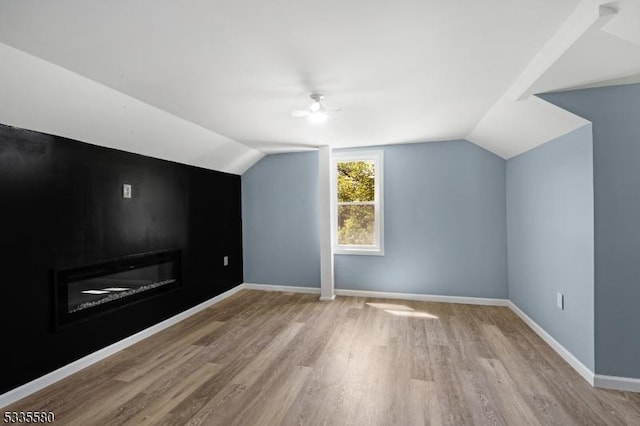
(126, 190)
(560, 301)
(226, 261)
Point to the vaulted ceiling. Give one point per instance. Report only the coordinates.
(218, 79)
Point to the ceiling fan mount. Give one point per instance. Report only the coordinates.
(317, 97)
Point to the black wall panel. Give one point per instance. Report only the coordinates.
(61, 206)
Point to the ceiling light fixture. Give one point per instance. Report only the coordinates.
(317, 117)
(317, 113)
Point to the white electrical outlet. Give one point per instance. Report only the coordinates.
(226, 261)
(560, 301)
(126, 190)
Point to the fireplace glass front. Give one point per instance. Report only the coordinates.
(97, 288)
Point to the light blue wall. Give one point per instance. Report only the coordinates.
(615, 114)
(281, 241)
(445, 227)
(551, 238)
(445, 223)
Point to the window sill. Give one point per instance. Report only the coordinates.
(359, 251)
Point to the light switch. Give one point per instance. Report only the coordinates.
(226, 261)
(126, 190)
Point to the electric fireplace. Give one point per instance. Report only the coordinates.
(94, 289)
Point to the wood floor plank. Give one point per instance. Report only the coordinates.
(548, 409)
(512, 405)
(423, 404)
(268, 358)
(263, 411)
(149, 407)
(260, 363)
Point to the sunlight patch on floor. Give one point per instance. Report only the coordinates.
(401, 310)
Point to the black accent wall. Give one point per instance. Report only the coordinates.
(61, 206)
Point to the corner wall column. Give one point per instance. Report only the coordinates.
(326, 232)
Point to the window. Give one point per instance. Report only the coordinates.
(358, 218)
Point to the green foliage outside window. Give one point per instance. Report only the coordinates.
(356, 181)
(356, 184)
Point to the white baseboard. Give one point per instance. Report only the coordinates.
(380, 295)
(597, 380)
(617, 383)
(574, 362)
(423, 297)
(69, 369)
(282, 288)
(327, 298)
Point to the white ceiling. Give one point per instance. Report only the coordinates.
(402, 71)
(597, 45)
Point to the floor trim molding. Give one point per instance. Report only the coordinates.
(380, 295)
(423, 297)
(628, 384)
(328, 299)
(282, 288)
(69, 369)
(574, 362)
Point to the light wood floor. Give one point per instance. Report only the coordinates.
(263, 358)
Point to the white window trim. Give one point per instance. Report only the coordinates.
(378, 158)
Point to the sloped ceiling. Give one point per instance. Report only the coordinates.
(596, 46)
(37, 95)
(212, 83)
